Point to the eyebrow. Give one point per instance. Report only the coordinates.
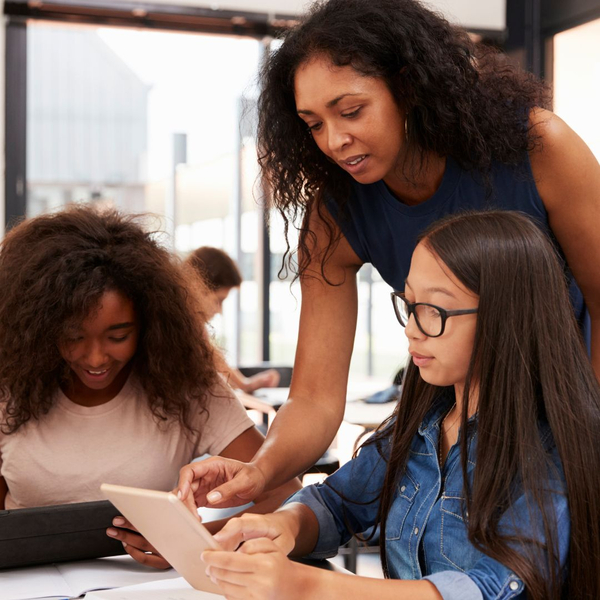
(329, 104)
(120, 326)
(433, 290)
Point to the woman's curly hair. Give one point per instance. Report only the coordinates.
(461, 101)
(54, 270)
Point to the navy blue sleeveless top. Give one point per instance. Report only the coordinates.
(383, 231)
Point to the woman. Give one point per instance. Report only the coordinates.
(106, 372)
(377, 117)
(486, 480)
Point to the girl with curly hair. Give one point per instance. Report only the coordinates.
(485, 481)
(376, 118)
(106, 371)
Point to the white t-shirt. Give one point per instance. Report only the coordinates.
(68, 453)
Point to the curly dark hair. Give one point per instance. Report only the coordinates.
(54, 270)
(461, 100)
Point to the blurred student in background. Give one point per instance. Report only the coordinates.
(220, 273)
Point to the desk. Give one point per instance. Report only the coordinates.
(94, 574)
(269, 400)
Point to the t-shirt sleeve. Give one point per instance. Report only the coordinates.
(226, 420)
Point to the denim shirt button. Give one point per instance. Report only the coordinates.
(513, 585)
(402, 488)
(416, 532)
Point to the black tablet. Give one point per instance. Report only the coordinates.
(35, 536)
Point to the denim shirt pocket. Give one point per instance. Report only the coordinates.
(454, 542)
(405, 496)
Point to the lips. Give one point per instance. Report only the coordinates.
(354, 160)
(356, 165)
(419, 360)
(95, 374)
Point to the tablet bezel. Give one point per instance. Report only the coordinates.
(170, 527)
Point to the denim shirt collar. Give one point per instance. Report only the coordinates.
(442, 403)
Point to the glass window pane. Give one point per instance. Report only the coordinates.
(148, 121)
(577, 80)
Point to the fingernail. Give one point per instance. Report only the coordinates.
(214, 497)
(124, 544)
(118, 521)
(179, 494)
(112, 532)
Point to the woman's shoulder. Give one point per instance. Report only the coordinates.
(220, 403)
(548, 128)
(561, 161)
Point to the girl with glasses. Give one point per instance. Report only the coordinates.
(485, 481)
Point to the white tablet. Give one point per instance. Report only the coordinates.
(170, 527)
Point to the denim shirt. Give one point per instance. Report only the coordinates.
(426, 533)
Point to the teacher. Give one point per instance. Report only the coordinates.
(376, 118)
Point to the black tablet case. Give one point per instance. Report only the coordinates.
(35, 536)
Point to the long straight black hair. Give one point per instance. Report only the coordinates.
(530, 365)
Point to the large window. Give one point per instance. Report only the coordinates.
(163, 122)
(149, 122)
(577, 80)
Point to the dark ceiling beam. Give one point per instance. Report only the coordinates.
(558, 15)
(151, 16)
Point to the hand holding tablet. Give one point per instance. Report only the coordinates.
(170, 527)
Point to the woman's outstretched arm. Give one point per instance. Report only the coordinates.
(306, 425)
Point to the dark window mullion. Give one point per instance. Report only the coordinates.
(15, 122)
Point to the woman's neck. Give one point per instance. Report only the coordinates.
(415, 181)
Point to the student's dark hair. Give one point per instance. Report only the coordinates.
(54, 270)
(530, 365)
(216, 267)
(461, 101)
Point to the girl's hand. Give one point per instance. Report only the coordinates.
(219, 482)
(135, 544)
(274, 527)
(257, 571)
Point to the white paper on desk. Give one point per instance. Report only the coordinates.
(32, 582)
(75, 578)
(173, 589)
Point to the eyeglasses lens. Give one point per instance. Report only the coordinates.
(428, 318)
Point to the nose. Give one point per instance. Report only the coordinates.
(411, 329)
(338, 138)
(95, 354)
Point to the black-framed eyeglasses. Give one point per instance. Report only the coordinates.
(430, 319)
